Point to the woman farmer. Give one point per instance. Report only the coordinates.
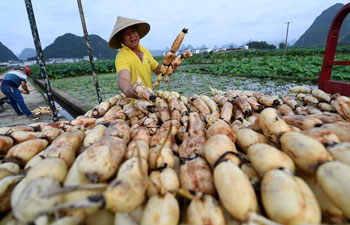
(12, 80)
(133, 62)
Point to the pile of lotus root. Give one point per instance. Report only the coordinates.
(237, 157)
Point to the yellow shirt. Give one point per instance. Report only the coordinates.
(127, 59)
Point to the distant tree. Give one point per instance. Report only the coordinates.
(281, 45)
(260, 45)
(234, 45)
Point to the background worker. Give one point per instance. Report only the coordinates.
(9, 86)
(133, 62)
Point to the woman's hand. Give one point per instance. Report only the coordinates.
(26, 92)
(25, 88)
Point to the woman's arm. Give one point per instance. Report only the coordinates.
(124, 83)
(24, 86)
(156, 70)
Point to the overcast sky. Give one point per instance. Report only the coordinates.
(214, 22)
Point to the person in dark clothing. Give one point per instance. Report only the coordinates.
(12, 80)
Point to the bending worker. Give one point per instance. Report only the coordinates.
(133, 62)
(12, 80)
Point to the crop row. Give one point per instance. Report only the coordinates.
(296, 67)
(62, 70)
(218, 57)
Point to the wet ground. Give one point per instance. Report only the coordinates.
(194, 83)
(34, 100)
(189, 83)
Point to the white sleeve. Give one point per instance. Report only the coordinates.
(24, 76)
(20, 74)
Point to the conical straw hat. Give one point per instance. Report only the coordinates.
(122, 23)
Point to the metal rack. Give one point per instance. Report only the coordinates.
(325, 83)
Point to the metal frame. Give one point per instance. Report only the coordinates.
(324, 82)
(41, 61)
(40, 57)
(91, 58)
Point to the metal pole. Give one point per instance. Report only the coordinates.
(39, 53)
(91, 58)
(285, 43)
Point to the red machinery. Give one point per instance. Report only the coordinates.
(324, 82)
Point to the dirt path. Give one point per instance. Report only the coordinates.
(34, 100)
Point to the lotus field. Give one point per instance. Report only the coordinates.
(268, 71)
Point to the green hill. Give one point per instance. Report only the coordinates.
(27, 53)
(316, 34)
(72, 46)
(345, 40)
(6, 54)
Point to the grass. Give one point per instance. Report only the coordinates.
(83, 88)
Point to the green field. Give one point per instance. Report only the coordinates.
(266, 71)
(298, 63)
